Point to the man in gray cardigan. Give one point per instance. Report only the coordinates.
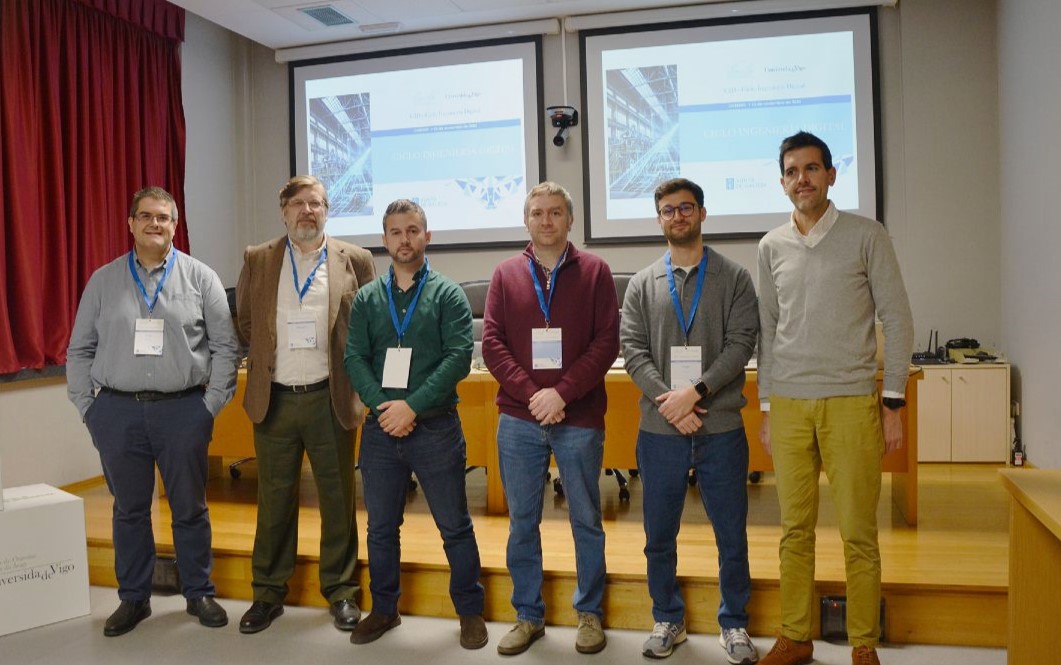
(688, 327)
(823, 277)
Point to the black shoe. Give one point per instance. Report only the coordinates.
(209, 612)
(373, 627)
(346, 613)
(260, 616)
(125, 618)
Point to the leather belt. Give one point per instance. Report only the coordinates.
(155, 395)
(308, 388)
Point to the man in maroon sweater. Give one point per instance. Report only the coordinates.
(550, 333)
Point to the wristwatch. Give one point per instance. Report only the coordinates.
(701, 388)
(893, 403)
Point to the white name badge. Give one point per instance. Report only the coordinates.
(147, 337)
(684, 366)
(546, 348)
(301, 331)
(396, 367)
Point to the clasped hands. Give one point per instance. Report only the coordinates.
(680, 409)
(547, 406)
(396, 417)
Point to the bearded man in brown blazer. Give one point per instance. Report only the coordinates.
(293, 304)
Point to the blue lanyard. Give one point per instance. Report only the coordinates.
(400, 328)
(301, 291)
(676, 299)
(546, 306)
(151, 302)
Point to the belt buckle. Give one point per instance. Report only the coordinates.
(300, 389)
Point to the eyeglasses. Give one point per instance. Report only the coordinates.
(147, 218)
(666, 213)
(314, 204)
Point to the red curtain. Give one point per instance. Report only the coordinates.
(90, 112)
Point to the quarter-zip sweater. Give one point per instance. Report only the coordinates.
(584, 307)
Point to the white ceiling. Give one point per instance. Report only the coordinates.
(278, 23)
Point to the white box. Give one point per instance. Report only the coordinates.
(43, 558)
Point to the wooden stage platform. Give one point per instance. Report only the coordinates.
(945, 581)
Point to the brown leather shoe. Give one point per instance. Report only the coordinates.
(864, 656)
(789, 652)
(372, 627)
(473, 631)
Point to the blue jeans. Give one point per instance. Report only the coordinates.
(721, 463)
(435, 452)
(524, 448)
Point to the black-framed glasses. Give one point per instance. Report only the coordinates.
(666, 213)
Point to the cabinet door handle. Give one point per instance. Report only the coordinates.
(946, 379)
(962, 379)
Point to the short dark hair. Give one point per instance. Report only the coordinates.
(156, 193)
(404, 206)
(802, 139)
(677, 185)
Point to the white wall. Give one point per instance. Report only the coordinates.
(1029, 57)
(42, 438)
(213, 61)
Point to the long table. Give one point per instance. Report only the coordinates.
(233, 436)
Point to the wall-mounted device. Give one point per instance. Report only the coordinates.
(562, 117)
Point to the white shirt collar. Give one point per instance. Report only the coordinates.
(299, 254)
(818, 231)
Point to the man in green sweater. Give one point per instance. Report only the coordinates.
(823, 279)
(409, 346)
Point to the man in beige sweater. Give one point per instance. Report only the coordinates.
(823, 279)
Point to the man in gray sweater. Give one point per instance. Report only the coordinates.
(823, 278)
(688, 328)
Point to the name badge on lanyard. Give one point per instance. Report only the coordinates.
(301, 330)
(398, 362)
(147, 337)
(148, 334)
(685, 366)
(686, 362)
(302, 327)
(396, 367)
(547, 348)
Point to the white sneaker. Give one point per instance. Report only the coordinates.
(738, 646)
(665, 636)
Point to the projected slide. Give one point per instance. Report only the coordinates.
(713, 105)
(716, 112)
(450, 138)
(451, 135)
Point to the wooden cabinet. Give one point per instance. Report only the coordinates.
(963, 414)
